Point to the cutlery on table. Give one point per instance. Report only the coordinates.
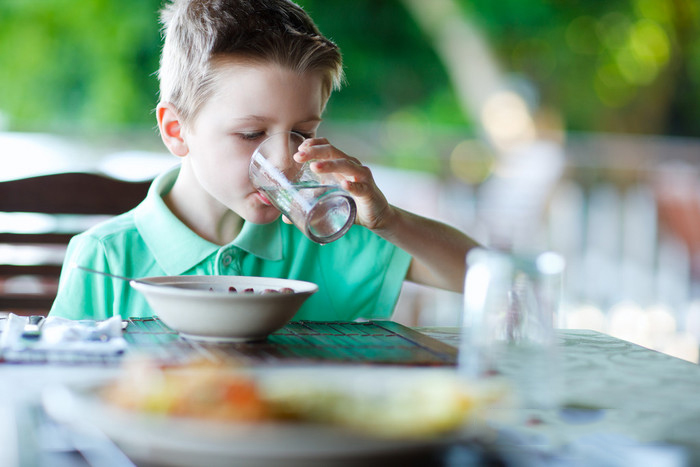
(33, 327)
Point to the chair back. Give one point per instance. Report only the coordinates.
(38, 216)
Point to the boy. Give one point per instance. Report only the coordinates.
(233, 72)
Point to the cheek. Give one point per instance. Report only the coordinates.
(235, 173)
(231, 164)
(235, 161)
(222, 163)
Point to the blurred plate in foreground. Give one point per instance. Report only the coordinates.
(310, 416)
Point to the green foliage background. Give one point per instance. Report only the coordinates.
(89, 64)
(67, 63)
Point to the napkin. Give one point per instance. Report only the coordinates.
(65, 335)
(89, 336)
(12, 328)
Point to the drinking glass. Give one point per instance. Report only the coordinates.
(511, 303)
(315, 203)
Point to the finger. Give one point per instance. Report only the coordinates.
(321, 150)
(358, 189)
(308, 142)
(350, 169)
(285, 219)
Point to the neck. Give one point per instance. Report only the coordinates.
(203, 214)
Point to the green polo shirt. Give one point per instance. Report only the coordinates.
(359, 275)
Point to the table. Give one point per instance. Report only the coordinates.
(618, 397)
(622, 403)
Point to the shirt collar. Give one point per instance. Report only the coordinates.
(177, 249)
(261, 240)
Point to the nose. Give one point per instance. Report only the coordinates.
(284, 146)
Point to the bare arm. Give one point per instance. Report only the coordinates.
(438, 250)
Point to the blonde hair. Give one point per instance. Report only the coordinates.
(199, 33)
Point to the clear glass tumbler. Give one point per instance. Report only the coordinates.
(315, 203)
(511, 304)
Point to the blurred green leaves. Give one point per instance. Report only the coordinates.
(88, 63)
(390, 67)
(614, 65)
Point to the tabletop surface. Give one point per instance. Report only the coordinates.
(612, 391)
(635, 391)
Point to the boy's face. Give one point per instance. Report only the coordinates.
(250, 102)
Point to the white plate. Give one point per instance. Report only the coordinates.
(177, 441)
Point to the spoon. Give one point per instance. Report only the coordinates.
(115, 276)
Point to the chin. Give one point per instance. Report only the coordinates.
(266, 215)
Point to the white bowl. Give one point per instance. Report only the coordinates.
(202, 307)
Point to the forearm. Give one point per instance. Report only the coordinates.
(438, 250)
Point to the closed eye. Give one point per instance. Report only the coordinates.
(251, 136)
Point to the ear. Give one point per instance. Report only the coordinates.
(171, 128)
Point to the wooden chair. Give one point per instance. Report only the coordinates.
(38, 216)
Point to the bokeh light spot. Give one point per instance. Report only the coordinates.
(581, 36)
(633, 70)
(650, 43)
(657, 10)
(472, 161)
(614, 29)
(610, 87)
(507, 119)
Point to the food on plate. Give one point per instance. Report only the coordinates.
(201, 389)
(399, 404)
(402, 407)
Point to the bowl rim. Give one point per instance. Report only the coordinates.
(159, 285)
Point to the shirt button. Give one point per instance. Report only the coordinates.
(226, 260)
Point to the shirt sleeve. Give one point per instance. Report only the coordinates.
(83, 295)
(375, 271)
(395, 273)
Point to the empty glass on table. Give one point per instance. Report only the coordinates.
(511, 303)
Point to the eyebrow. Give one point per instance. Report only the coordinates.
(264, 119)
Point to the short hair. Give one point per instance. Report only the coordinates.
(198, 33)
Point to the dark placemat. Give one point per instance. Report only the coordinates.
(376, 342)
(299, 342)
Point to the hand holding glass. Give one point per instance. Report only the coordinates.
(314, 203)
